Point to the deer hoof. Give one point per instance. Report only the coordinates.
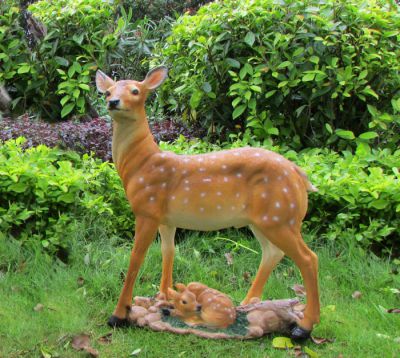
(116, 322)
(300, 334)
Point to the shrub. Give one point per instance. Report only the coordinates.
(307, 73)
(43, 191)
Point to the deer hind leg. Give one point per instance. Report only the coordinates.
(290, 241)
(145, 233)
(271, 255)
(167, 234)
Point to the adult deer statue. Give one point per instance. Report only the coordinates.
(238, 187)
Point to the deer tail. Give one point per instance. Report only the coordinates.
(309, 186)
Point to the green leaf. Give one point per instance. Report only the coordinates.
(236, 101)
(61, 61)
(64, 100)
(284, 64)
(308, 77)
(232, 63)
(362, 74)
(67, 109)
(256, 88)
(368, 135)
(24, 69)
(84, 86)
(314, 59)
(18, 187)
(344, 134)
(282, 343)
(270, 93)
(195, 99)
(250, 38)
(311, 353)
(369, 91)
(206, 87)
(238, 111)
(328, 128)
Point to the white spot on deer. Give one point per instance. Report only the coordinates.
(184, 172)
(201, 210)
(292, 222)
(185, 201)
(162, 169)
(285, 190)
(186, 160)
(266, 180)
(203, 195)
(292, 205)
(236, 154)
(163, 155)
(285, 172)
(209, 300)
(257, 154)
(219, 193)
(265, 218)
(244, 206)
(224, 166)
(202, 169)
(207, 180)
(279, 159)
(173, 197)
(226, 179)
(277, 204)
(233, 207)
(237, 195)
(173, 169)
(219, 207)
(279, 177)
(187, 188)
(200, 160)
(231, 315)
(264, 195)
(186, 181)
(148, 187)
(275, 218)
(141, 180)
(163, 185)
(213, 157)
(239, 175)
(152, 198)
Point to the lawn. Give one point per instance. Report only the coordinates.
(78, 297)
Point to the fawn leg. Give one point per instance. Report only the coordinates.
(167, 234)
(271, 255)
(145, 233)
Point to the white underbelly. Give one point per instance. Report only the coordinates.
(204, 223)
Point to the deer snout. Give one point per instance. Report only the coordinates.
(198, 308)
(113, 103)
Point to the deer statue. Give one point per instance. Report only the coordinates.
(198, 304)
(239, 187)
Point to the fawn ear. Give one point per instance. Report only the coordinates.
(180, 286)
(103, 82)
(172, 294)
(155, 77)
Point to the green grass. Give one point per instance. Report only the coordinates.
(361, 328)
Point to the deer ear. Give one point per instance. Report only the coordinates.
(180, 286)
(155, 77)
(103, 82)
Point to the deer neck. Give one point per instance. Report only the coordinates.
(131, 142)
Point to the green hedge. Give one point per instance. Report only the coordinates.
(307, 73)
(43, 191)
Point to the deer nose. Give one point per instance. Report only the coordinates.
(198, 308)
(113, 103)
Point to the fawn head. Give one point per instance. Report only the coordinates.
(126, 98)
(184, 301)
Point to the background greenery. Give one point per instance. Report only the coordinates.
(317, 81)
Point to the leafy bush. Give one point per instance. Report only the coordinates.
(308, 73)
(358, 197)
(42, 191)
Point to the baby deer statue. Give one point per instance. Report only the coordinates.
(198, 304)
(239, 187)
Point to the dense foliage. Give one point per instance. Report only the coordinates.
(43, 190)
(308, 73)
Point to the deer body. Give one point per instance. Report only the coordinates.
(238, 187)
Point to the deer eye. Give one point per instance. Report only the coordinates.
(184, 302)
(135, 91)
(107, 93)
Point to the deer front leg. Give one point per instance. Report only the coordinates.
(145, 233)
(167, 234)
